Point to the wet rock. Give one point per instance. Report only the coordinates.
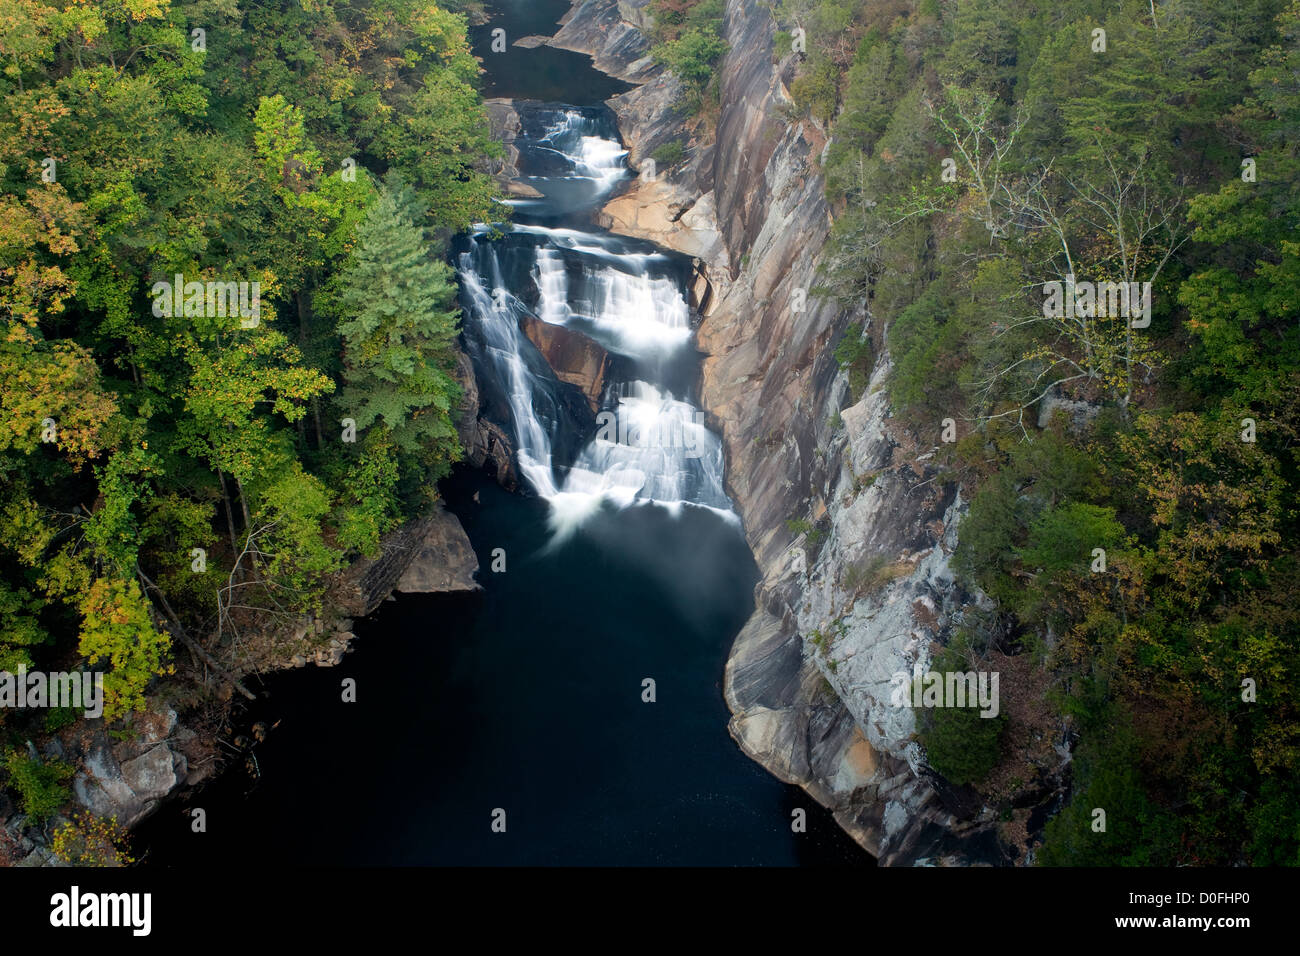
(503, 122)
(573, 357)
(444, 560)
(486, 444)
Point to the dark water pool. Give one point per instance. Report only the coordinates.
(526, 697)
(539, 73)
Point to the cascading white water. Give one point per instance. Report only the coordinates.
(497, 314)
(650, 445)
(645, 444)
(624, 309)
(574, 138)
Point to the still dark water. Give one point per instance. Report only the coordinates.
(539, 73)
(527, 697)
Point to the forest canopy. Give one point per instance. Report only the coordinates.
(1131, 464)
(211, 395)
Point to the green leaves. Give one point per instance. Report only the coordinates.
(23, 631)
(293, 507)
(129, 439)
(40, 784)
(289, 161)
(1241, 303)
(371, 506)
(690, 44)
(1062, 539)
(116, 629)
(441, 144)
(959, 743)
(399, 329)
(232, 387)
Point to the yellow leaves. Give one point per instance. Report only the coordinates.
(29, 288)
(146, 9)
(29, 292)
(135, 10)
(59, 381)
(116, 627)
(88, 840)
(1215, 499)
(58, 219)
(28, 33)
(46, 217)
(26, 530)
(29, 132)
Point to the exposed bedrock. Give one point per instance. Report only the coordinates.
(845, 516)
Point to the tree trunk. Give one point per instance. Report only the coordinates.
(248, 529)
(243, 506)
(194, 646)
(230, 518)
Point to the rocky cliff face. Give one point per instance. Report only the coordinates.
(863, 587)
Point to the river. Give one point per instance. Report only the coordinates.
(625, 568)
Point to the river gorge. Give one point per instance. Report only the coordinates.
(576, 700)
(639, 434)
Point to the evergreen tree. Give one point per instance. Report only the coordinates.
(399, 329)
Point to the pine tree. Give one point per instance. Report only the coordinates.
(399, 331)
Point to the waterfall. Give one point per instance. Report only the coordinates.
(650, 444)
(568, 156)
(618, 303)
(574, 136)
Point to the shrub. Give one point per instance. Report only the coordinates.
(805, 527)
(692, 57)
(959, 743)
(854, 355)
(88, 840)
(817, 90)
(688, 42)
(39, 784)
(669, 154)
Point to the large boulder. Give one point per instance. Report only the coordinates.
(444, 560)
(128, 779)
(436, 545)
(573, 357)
(611, 32)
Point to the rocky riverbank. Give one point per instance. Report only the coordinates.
(846, 516)
(128, 777)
